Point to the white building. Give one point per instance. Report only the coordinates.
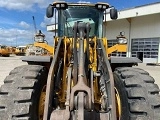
(142, 28)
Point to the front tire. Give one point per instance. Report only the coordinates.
(20, 94)
(139, 96)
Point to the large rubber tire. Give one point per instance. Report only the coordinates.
(19, 96)
(140, 99)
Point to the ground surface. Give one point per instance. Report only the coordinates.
(154, 71)
(9, 63)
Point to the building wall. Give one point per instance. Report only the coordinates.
(113, 28)
(145, 26)
(140, 27)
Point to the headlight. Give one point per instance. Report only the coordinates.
(60, 5)
(102, 6)
(122, 40)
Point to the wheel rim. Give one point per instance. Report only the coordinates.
(118, 104)
(41, 102)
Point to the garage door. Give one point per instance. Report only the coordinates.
(146, 49)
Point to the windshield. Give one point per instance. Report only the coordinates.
(81, 14)
(3, 47)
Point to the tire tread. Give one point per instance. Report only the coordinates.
(143, 93)
(19, 87)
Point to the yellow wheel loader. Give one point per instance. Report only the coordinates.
(80, 81)
(20, 50)
(4, 51)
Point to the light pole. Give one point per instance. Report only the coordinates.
(16, 37)
(16, 40)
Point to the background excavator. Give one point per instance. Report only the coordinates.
(80, 81)
(40, 46)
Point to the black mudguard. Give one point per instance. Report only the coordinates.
(36, 59)
(124, 60)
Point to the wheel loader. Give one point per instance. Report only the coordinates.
(4, 51)
(20, 50)
(80, 81)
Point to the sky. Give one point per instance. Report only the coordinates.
(16, 23)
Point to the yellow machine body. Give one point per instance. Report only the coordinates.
(4, 50)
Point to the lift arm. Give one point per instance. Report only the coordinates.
(117, 47)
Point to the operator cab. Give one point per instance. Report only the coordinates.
(68, 14)
(91, 16)
(39, 37)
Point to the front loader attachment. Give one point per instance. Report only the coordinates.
(89, 94)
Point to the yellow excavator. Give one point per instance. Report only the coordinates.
(42, 43)
(120, 46)
(79, 81)
(40, 46)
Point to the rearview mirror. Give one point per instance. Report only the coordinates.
(113, 13)
(49, 11)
